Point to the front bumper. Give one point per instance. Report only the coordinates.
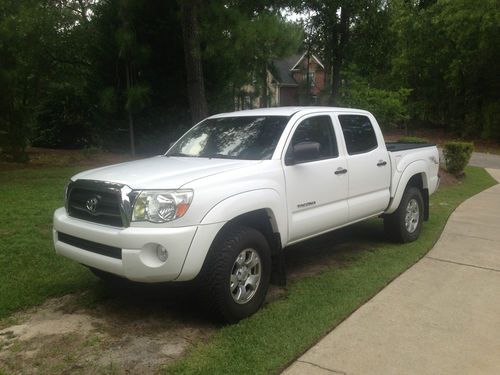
(139, 261)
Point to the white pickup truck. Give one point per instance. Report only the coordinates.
(224, 201)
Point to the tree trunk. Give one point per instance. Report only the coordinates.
(129, 111)
(333, 53)
(131, 132)
(308, 79)
(334, 99)
(263, 92)
(192, 59)
(338, 54)
(327, 87)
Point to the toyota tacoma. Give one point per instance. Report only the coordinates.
(222, 203)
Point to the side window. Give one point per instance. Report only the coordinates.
(317, 129)
(358, 134)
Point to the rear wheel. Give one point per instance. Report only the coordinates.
(237, 273)
(405, 224)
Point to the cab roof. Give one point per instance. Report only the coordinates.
(284, 111)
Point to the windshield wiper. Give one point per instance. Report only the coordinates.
(221, 156)
(213, 156)
(180, 154)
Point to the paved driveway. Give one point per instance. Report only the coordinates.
(480, 159)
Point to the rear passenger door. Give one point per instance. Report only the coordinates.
(317, 189)
(367, 164)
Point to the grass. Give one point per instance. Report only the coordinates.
(30, 269)
(268, 341)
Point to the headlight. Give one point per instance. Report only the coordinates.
(160, 206)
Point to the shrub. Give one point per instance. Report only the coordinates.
(409, 139)
(388, 106)
(457, 155)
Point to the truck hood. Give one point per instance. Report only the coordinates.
(161, 172)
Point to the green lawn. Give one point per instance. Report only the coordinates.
(30, 271)
(279, 333)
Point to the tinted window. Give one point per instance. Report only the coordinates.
(245, 137)
(358, 133)
(317, 129)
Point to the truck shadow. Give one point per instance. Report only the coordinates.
(333, 249)
(181, 301)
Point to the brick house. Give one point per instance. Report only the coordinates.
(287, 83)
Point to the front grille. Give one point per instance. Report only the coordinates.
(98, 248)
(106, 209)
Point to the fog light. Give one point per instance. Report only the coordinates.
(161, 253)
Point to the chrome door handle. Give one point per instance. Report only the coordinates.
(341, 170)
(381, 163)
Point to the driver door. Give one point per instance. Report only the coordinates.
(316, 189)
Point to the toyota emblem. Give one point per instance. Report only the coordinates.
(91, 204)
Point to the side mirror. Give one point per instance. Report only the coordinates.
(302, 152)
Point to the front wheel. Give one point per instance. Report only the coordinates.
(238, 273)
(405, 224)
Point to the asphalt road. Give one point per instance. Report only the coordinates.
(480, 159)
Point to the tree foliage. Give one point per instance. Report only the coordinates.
(76, 73)
(241, 42)
(447, 52)
(388, 106)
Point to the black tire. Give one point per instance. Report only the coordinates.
(220, 265)
(395, 225)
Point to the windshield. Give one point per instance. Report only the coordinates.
(244, 137)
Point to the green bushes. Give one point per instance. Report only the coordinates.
(388, 106)
(457, 155)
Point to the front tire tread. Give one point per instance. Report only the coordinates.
(217, 272)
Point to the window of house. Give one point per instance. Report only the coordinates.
(311, 75)
(358, 134)
(317, 129)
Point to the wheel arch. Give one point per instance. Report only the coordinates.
(255, 208)
(261, 210)
(262, 220)
(414, 175)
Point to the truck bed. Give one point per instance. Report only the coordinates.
(403, 146)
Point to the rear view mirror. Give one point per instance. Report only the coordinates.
(303, 152)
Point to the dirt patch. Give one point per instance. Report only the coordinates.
(114, 336)
(447, 179)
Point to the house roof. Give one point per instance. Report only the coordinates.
(283, 68)
(311, 57)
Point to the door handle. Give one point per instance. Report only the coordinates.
(381, 163)
(341, 170)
